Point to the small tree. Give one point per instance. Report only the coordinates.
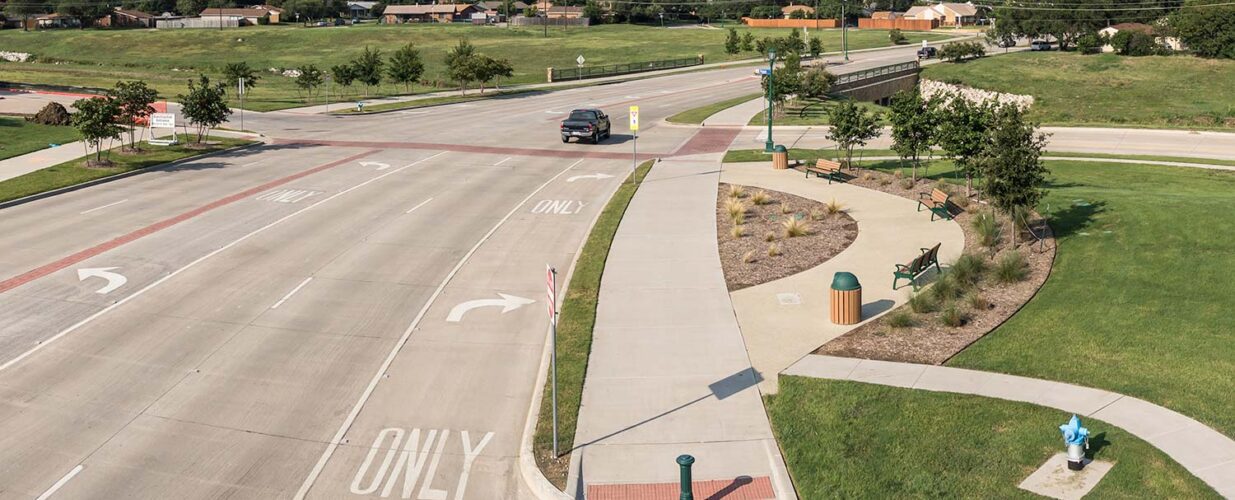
(205, 106)
(786, 81)
(816, 82)
(748, 42)
(913, 127)
(896, 37)
(487, 68)
(794, 42)
(1012, 161)
(310, 78)
(461, 63)
(732, 43)
(851, 126)
(95, 120)
(1090, 43)
(964, 129)
(367, 68)
(344, 75)
(1133, 43)
(405, 66)
(816, 46)
(234, 72)
(135, 101)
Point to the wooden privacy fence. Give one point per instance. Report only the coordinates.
(898, 23)
(790, 23)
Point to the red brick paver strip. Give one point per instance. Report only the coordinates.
(709, 140)
(742, 488)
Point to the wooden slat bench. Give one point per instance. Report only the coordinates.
(938, 202)
(826, 168)
(917, 266)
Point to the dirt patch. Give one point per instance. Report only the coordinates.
(985, 306)
(104, 163)
(52, 114)
(765, 252)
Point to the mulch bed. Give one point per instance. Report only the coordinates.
(828, 235)
(929, 340)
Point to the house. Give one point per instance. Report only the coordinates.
(886, 15)
(788, 10)
(948, 14)
(245, 15)
(441, 13)
(496, 10)
(55, 20)
(126, 18)
(1110, 31)
(360, 9)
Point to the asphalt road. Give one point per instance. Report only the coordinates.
(356, 310)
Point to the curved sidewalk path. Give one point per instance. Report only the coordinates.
(786, 319)
(1206, 453)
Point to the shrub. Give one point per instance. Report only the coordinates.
(896, 37)
(922, 303)
(834, 207)
(969, 269)
(977, 302)
(898, 174)
(900, 319)
(907, 184)
(748, 257)
(761, 198)
(773, 250)
(952, 316)
(1090, 43)
(1011, 268)
(795, 227)
(885, 181)
(1133, 43)
(737, 232)
(988, 228)
(736, 191)
(737, 211)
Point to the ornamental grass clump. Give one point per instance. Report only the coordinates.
(952, 316)
(900, 319)
(736, 191)
(922, 303)
(987, 228)
(737, 231)
(834, 207)
(1011, 268)
(773, 250)
(795, 227)
(761, 197)
(969, 269)
(736, 210)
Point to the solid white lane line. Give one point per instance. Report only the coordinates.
(60, 484)
(201, 259)
(423, 203)
(293, 292)
(503, 161)
(104, 206)
(390, 358)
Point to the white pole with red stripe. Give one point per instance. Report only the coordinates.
(551, 286)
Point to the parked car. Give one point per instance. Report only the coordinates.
(591, 124)
(1039, 45)
(927, 52)
(1005, 43)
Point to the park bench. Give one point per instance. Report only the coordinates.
(826, 168)
(938, 202)
(917, 266)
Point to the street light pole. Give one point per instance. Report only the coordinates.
(769, 144)
(844, 31)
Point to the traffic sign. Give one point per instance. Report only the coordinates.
(765, 71)
(580, 60)
(634, 118)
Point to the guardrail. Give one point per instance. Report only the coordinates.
(859, 76)
(584, 72)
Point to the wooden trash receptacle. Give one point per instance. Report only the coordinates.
(780, 158)
(846, 299)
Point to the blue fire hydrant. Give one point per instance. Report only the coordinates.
(1077, 440)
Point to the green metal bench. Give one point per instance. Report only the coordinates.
(917, 266)
(937, 202)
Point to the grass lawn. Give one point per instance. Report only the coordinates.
(71, 173)
(1106, 89)
(18, 137)
(1184, 159)
(574, 335)
(1147, 250)
(697, 115)
(167, 58)
(852, 440)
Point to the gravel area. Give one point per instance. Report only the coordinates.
(929, 340)
(746, 260)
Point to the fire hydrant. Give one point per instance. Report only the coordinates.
(1077, 440)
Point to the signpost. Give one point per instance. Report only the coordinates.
(579, 73)
(551, 289)
(240, 91)
(162, 120)
(634, 141)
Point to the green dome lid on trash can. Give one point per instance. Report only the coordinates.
(845, 282)
(779, 149)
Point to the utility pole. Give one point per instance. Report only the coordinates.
(844, 30)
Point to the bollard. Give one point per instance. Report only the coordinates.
(684, 463)
(1077, 440)
(359, 106)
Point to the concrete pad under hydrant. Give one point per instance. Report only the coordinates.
(1054, 479)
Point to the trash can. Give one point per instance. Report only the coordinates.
(780, 158)
(846, 303)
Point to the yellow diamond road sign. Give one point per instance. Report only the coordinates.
(634, 117)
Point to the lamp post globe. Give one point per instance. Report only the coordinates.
(769, 144)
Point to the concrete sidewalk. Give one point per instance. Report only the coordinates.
(669, 373)
(1206, 453)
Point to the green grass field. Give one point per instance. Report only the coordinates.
(1106, 89)
(697, 115)
(74, 172)
(167, 58)
(852, 440)
(18, 137)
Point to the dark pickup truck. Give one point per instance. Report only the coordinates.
(591, 124)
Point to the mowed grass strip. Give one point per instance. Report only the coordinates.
(852, 440)
(1106, 89)
(1139, 300)
(167, 58)
(18, 136)
(72, 173)
(697, 115)
(574, 335)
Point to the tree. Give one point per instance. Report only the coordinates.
(794, 43)
(732, 43)
(310, 78)
(896, 37)
(816, 82)
(914, 121)
(1209, 31)
(367, 68)
(84, 12)
(797, 14)
(190, 7)
(816, 46)
(405, 66)
(786, 81)
(233, 73)
(1133, 43)
(24, 9)
(1090, 43)
(593, 12)
(765, 12)
(95, 120)
(851, 126)
(205, 106)
(460, 63)
(344, 75)
(134, 101)
(748, 42)
(1012, 162)
(486, 68)
(964, 128)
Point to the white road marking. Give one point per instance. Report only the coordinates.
(199, 260)
(589, 176)
(559, 207)
(60, 484)
(104, 206)
(378, 164)
(293, 292)
(411, 462)
(507, 302)
(423, 203)
(407, 334)
(503, 161)
(288, 195)
(114, 280)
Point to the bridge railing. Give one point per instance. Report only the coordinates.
(560, 74)
(850, 79)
